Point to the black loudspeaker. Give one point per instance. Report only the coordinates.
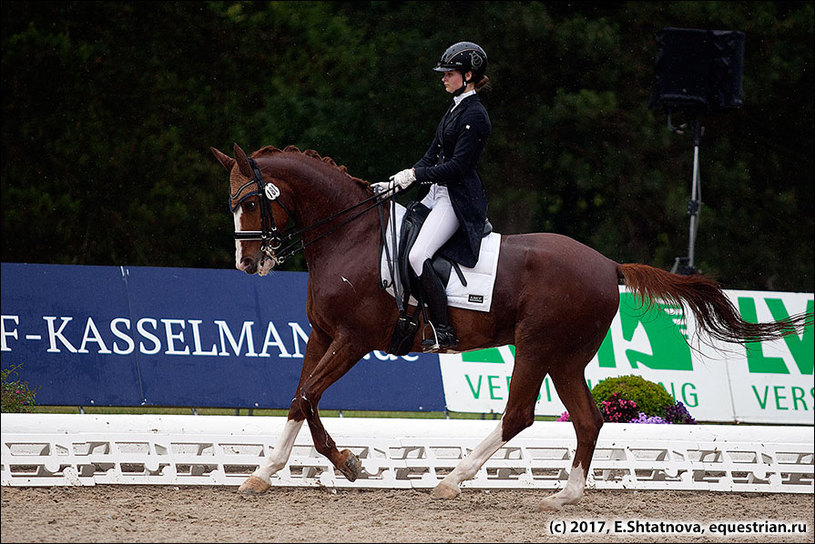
(698, 70)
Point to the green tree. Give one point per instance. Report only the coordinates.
(110, 109)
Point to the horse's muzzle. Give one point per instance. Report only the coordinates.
(248, 265)
(252, 265)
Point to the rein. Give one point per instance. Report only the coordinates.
(270, 236)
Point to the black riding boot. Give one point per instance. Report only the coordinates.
(444, 335)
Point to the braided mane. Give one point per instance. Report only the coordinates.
(271, 150)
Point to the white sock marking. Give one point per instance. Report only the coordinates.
(473, 461)
(282, 451)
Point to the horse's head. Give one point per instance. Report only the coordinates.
(257, 220)
(273, 186)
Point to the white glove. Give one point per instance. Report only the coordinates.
(382, 187)
(401, 180)
(404, 178)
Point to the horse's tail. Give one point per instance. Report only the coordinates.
(714, 312)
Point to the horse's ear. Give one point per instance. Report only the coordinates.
(224, 159)
(243, 162)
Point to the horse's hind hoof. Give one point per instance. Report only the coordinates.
(552, 503)
(549, 506)
(444, 491)
(253, 486)
(352, 467)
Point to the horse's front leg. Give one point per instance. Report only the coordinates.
(340, 356)
(260, 480)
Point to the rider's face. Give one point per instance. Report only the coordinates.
(452, 81)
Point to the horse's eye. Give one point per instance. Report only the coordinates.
(249, 205)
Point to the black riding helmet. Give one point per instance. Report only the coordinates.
(464, 57)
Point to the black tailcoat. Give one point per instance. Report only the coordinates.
(451, 160)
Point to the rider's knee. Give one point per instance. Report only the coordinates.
(416, 260)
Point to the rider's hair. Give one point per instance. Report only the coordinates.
(483, 85)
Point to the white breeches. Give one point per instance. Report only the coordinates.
(439, 227)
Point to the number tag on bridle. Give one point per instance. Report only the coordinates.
(271, 191)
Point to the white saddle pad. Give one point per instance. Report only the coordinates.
(476, 295)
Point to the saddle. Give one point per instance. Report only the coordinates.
(407, 325)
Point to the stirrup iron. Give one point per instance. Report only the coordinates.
(444, 337)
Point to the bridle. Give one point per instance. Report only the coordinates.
(270, 236)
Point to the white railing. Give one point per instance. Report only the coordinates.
(83, 449)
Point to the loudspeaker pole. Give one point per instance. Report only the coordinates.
(695, 201)
(698, 71)
(685, 265)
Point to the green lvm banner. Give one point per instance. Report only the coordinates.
(761, 382)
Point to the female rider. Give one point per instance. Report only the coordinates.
(456, 195)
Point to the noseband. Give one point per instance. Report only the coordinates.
(270, 237)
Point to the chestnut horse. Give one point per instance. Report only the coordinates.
(554, 299)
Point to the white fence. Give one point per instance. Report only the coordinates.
(85, 450)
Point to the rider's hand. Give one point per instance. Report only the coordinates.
(382, 187)
(404, 178)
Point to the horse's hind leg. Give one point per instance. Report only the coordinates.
(527, 377)
(468, 467)
(570, 383)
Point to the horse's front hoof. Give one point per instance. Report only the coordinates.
(253, 486)
(444, 491)
(351, 467)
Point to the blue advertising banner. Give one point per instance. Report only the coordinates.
(131, 336)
